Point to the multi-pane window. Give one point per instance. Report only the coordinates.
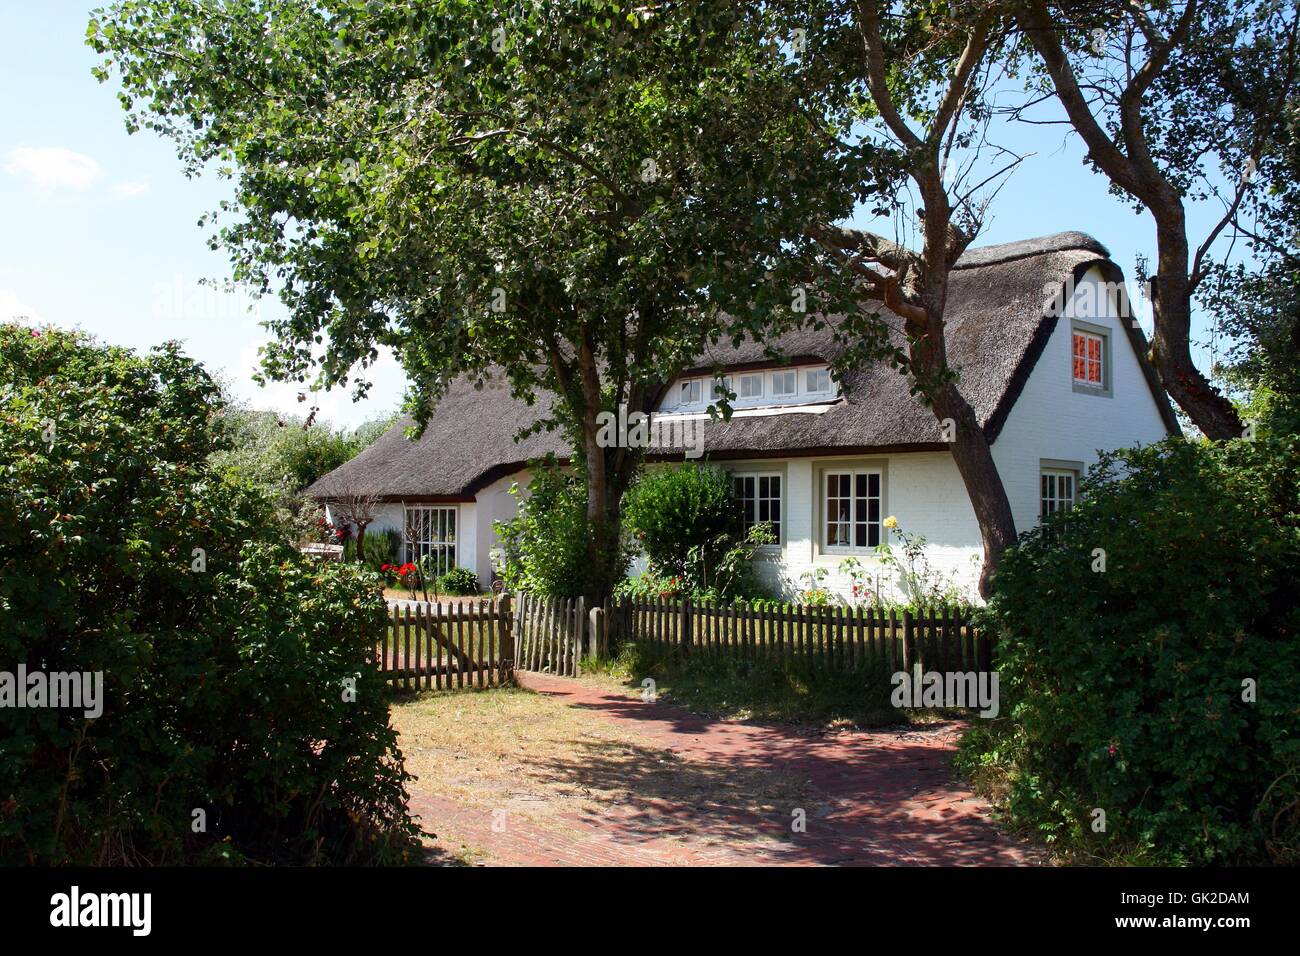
(1057, 491)
(431, 532)
(1089, 352)
(759, 497)
(784, 384)
(721, 386)
(751, 386)
(688, 393)
(817, 381)
(852, 509)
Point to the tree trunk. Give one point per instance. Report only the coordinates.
(604, 522)
(361, 541)
(1171, 301)
(979, 474)
(929, 354)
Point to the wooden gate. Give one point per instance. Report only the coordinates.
(549, 634)
(479, 643)
(441, 645)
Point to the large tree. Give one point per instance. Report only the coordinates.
(921, 77)
(567, 193)
(1180, 101)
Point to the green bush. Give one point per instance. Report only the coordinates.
(544, 546)
(459, 581)
(223, 654)
(683, 518)
(1123, 683)
(382, 547)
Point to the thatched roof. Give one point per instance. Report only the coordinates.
(999, 317)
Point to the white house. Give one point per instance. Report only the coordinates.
(1034, 329)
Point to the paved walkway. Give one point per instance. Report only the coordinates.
(886, 797)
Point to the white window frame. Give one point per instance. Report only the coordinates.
(750, 378)
(440, 525)
(780, 374)
(1054, 476)
(779, 524)
(816, 370)
(719, 387)
(694, 389)
(855, 503)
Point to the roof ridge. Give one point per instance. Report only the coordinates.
(980, 256)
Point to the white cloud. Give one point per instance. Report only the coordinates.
(13, 309)
(130, 189)
(53, 168)
(336, 406)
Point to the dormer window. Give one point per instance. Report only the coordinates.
(817, 381)
(751, 385)
(784, 384)
(752, 391)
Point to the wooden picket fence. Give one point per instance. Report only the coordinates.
(832, 638)
(438, 646)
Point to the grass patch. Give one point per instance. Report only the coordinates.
(773, 691)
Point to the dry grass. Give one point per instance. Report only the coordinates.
(535, 757)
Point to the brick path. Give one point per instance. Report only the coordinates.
(886, 797)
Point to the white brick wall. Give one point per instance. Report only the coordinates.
(1050, 420)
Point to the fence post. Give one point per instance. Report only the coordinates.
(578, 640)
(505, 628)
(685, 626)
(909, 652)
(595, 624)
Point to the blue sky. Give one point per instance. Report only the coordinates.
(100, 227)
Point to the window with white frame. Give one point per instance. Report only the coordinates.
(851, 509)
(431, 533)
(1089, 359)
(759, 496)
(690, 392)
(721, 386)
(751, 385)
(1058, 487)
(784, 383)
(817, 381)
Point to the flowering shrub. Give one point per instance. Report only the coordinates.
(923, 585)
(653, 584)
(813, 591)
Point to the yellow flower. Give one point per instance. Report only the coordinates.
(891, 522)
